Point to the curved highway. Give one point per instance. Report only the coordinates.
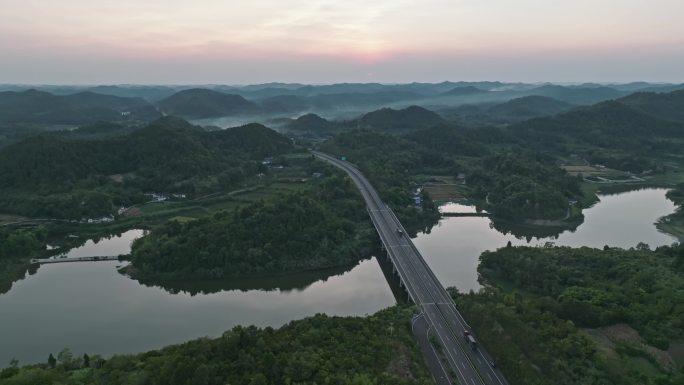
(468, 365)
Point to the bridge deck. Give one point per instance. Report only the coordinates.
(73, 259)
(470, 365)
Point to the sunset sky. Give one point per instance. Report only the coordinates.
(237, 42)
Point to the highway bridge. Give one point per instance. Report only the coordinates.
(469, 365)
(73, 259)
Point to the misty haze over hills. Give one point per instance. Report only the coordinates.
(278, 103)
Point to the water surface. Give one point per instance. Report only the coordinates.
(91, 308)
(453, 247)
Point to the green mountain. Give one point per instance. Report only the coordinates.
(576, 95)
(449, 138)
(410, 118)
(310, 123)
(335, 102)
(635, 128)
(169, 155)
(668, 106)
(285, 104)
(320, 227)
(81, 108)
(200, 103)
(99, 130)
(511, 111)
(528, 107)
(612, 119)
(463, 91)
(149, 93)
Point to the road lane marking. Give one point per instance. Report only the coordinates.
(439, 361)
(407, 263)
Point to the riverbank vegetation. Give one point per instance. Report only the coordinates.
(320, 227)
(674, 223)
(378, 349)
(582, 316)
(17, 246)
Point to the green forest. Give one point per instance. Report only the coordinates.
(388, 162)
(320, 227)
(522, 185)
(378, 349)
(50, 175)
(513, 171)
(558, 315)
(513, 184)
(17, 246)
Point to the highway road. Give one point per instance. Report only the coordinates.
(469, 366)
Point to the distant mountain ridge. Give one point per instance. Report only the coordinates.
(163, 143)
(576, 95)
(636, 117)
(530, 106)
(668, 106)
(77, 105)
(462, 91)
(410, 118)
(511, 111)
(34, 106)
(200, 103)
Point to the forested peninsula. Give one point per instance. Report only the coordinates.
(323, 226)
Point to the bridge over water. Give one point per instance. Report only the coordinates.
(73, 259)
(470, 365)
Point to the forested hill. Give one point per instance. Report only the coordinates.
(668, 106)
(324, 226)
(410, 118)
(634, 121)
(528, 107)
(56, 176)
(203, 103)
(167, 147)
(40, 107)
(609, 316)
(309, 122)
(576, 95)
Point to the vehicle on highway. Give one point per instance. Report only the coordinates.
(400, 232)
(471, 340)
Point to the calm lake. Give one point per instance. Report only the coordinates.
(622, 220)
(90, 307)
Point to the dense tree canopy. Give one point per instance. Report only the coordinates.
(16, 247)
(56, 176)
(520, 185)
(318, 350)
(388, 162)
(324, 226)
(559, 315)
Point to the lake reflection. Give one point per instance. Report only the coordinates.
(453, 247)
(90, 307)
